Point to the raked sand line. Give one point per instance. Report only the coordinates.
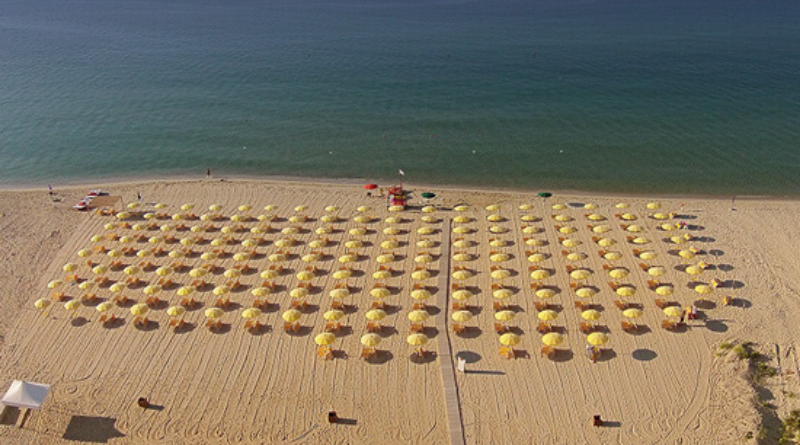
(452, 403)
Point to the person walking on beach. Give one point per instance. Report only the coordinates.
(139, 196)
(208, 173)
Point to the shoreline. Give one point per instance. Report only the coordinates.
(322, 181)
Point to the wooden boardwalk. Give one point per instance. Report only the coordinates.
(446, 359)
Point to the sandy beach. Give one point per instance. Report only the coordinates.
(237, 385)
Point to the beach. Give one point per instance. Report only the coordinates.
(264, 385)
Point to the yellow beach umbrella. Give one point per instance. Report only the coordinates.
(502, 294)
(612, 256)
(606, 242)
(537, 257)
(221, 290)
(462, 257)
(109, 226)
(501, 274)
(342, 274)
(498, 229)
(496, 243)
(393, 220)
(462, 275)
(276, 257)
(425, 230)
(660, 216)
(270, 208)
(176, 311)
(621, 205)
(461, 229)
(585, 292)
(648, 255)
(597, 339)
(42, 303)
(420, 294)
(396, 208)
(493, 207)
(547, 315)
(84, 253)
(150, 216)
(139, 309)
(151, 289)
(214, 313)
(363, 209)
(184, 291)
(126, 239)
(160, 206)
(417, 339)
(531, 229)
(164, 271)
(540, 274)
(310, 258)
(591, 315)
(104, 306)
(385, 274)
(686, 254)
(325, 339)
(462, 219)
(251, 313)
(494, 217)
(290, 230)
(596, 217)
(664, 290)
(629, 216)
(634, 228)
(510, 339)
(370, 340)
(72, 305)
(580, 274)
(552, 339)
(461, 316)
(323, 230)
(528, 218)
(653, 205)
(656, 271)
(329, 218)
(390, 244)
(333, 315)
(461, 208)
(545, 293)
(375, 315)
(317, 243)
(562, 218)
(353, 244)
(694, 270)
(298, 293)
(462, 294)
(417, 316)
(558, 206)
(292, 315)
(86, 285)
(618, 273)
(423, 258)
(155, 240)
(339, 293)
(232, 273)
(673, 311)
(499, 257)
(56, 283)
(703, 289)
(242, 256)
(626, 291)
(567, 230)
(678, 239)
(396, 231)
(305, 275)
(197, 272)
(632, 313)
(117, 288)
(601, 229)
(100, 270)
(641, 240)
(421, 274)
(261, 292)
(167, 228)
(348, 258)
(570, 243)
(525, 207)
(124, 215)
(331, 209)
(114, 253)
(176, 254)
(576, 256)
(504, 315)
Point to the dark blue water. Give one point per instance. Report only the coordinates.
(657, 96)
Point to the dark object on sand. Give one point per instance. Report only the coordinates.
(597, 421)
(143, 402)
(332, 417)
(428, 195)
(545, 194)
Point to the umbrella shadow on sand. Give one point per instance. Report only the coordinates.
(92, 429)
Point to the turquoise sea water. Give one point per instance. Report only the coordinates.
(661, 96)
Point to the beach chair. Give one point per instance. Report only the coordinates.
(661, 303)
(500, 328)
(188, 302)
(373, 326)
(419, 306)
(581, 305)
(335, 305)
(573, 285)
(644, 266)
(668, 324)
(602, 253)
(543, 328)
(507, 352)
(107, 319)
(120, 300)
(628, 326)
(140, 321)
(540, 305)
(58, 296)
(606, 267)
(532, 268)
(458, 328)
(213, 324)
(290, 327)
(378, 305)
(252, 324)
(177, 323)
(595, 238)
(621, 304)
(222, 303)
(570, 268)
(260, 303)
(367, 353)
(548, 351)
(586, 328)
(324, 352)
(417, 327)
(498, 306)
(614, 286)
(652, 284)
(459, 306)
(332, 327)
(301, 304)
(153, 301)
(535, 286)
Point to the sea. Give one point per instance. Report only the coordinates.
(696, 97)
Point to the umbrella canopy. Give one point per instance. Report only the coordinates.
(72, 305)
(423, 258)
(305, 275)
(562, 218)
(242, 256)
(626, 291)
(151, 289)
(606, 242)
(510, 339)
(232, 273)
(298, 293)
(420, 294)
(629, 216)
(664, 290)
(694, 270)
(545, 293)
(353, 244)
(460, 274)
(612, 256)
(41, 303)
(462, 219)
(428, 195)
(501, 274)
(375, 315)
(673, 311)
(370, 340)
(461, 208)
(618, 273)
(261, 291)
(69, 267)
(164, 271)
(339, 293)
(176, 311)
(703, 289)
(214, 313)
(499, 257)
(461, 316)
(552, 339)
(86, 285)
(537, 257)
(56, 283)
(656, 271)
(461, 229)
(26, 395)
(221, 290)
(570, 243)
(333, 315)
(139, 309)
(591, 315)
(276, 257)
(540, 274)
(585, 292)
(417, 339)
(185, 291)
(104, 306)
(197, 272)
(648, 255)
(634, 228)
(580, 274)
(653, 205)
(390, 244)
(632, 313)
(528, 218)
(504, 315)
(462, 294)
(462, 257)
(285, 242)
(385, 274)
(641, 240)
(597, 339)
(425, 230)
(547, 315)
(317, 243)
(418, 316)
(117, 287)
(544, 194)
(686, 254)
(342, 274)
(99, 270)
(348, 258)
(291, 316)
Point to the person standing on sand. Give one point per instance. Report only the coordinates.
(208, 173)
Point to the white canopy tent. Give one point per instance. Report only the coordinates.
(25, 395)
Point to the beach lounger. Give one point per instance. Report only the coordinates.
(668, 324)
(586, 328)
(458, 328)
(177, 323)
(581, 305)
(121, 300)
(333, 327)
(621, 304)
(614, 286)
(540, 305)
(602, 253)
(535, 286)
(373, 326)
(543, 328)
(606, 267)
(498, 306)
(106, 319)
(661, 303)
(573, 285)
(418, 306)
(570, 268)
(222, 303)
(548, 351)
(367, 353)
(188, 302)
(291, 328)
(628, 326)
(507, 352)
(301, 305)
(252, 324)
(324, 352)
(214, 324)
(644, 267)
(417, 327)
(652, 284)
(140, 321)
(153, 301)
(378, 305)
